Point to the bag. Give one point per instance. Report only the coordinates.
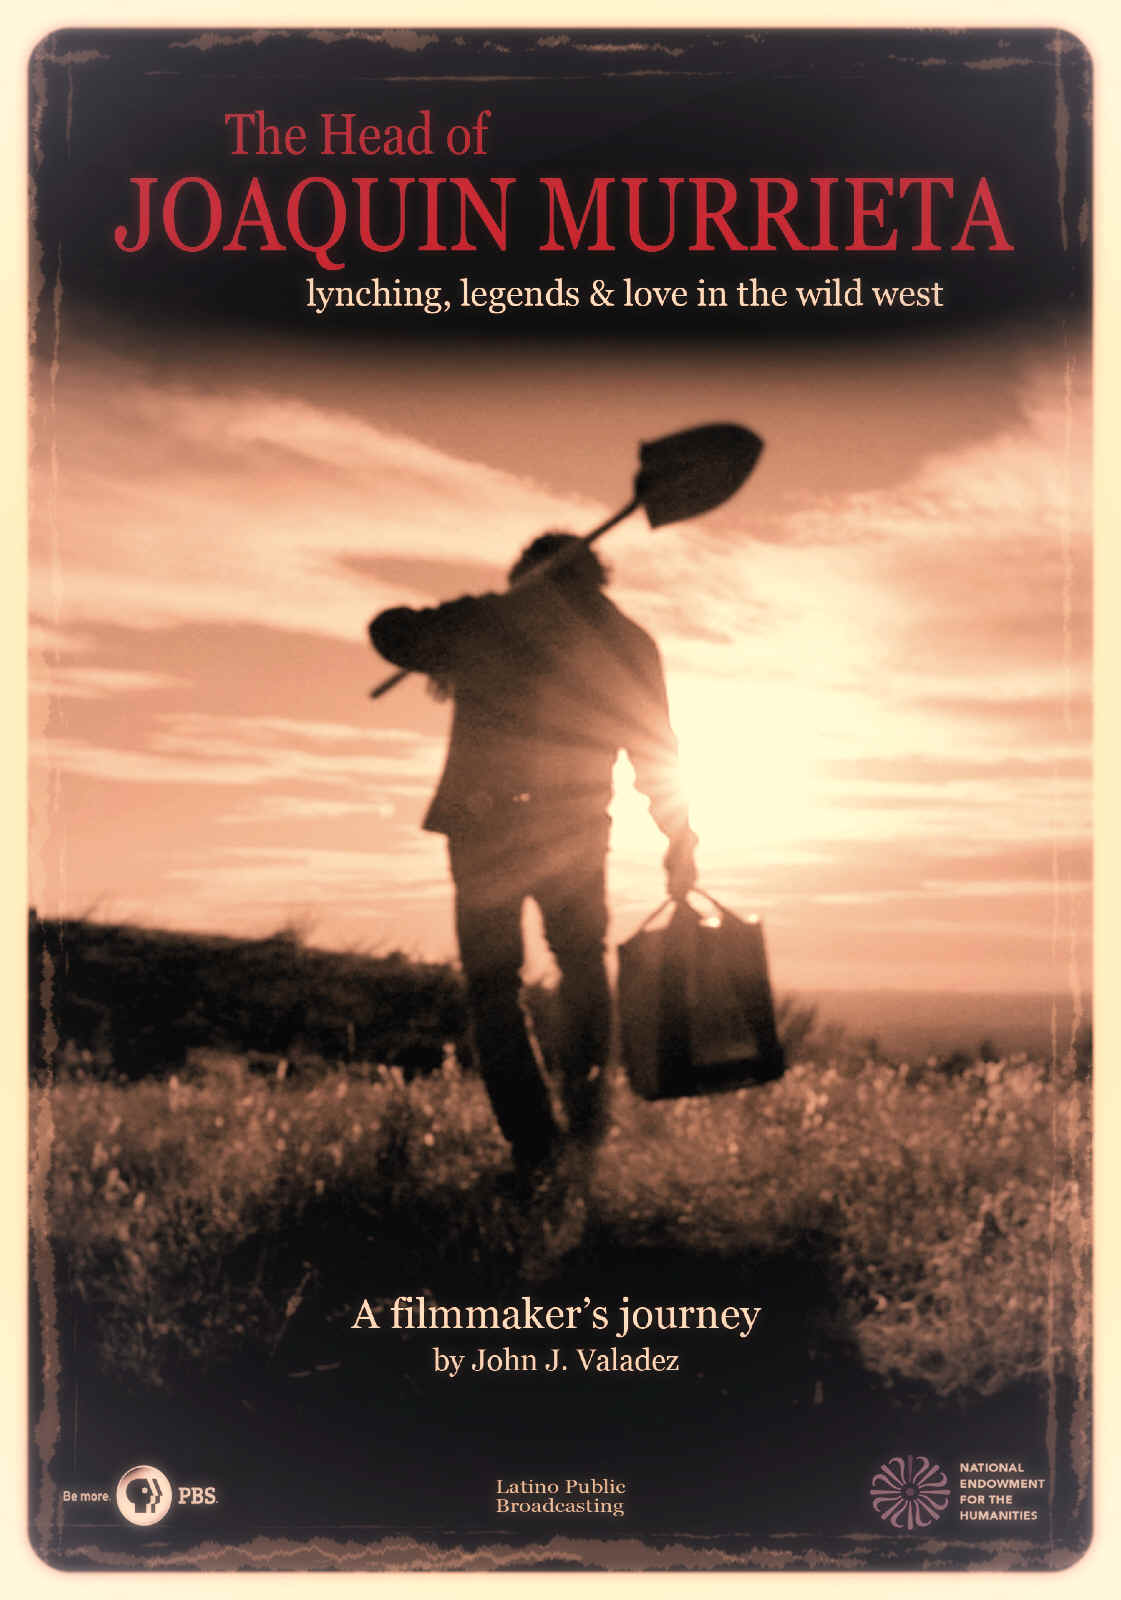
(695, 1007)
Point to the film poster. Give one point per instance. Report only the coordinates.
(329, 323)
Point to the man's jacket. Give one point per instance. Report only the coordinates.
(548, 687)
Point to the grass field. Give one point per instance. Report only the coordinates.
(192, 1216)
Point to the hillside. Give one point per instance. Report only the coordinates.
(139, 999)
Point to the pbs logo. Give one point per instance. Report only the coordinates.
(144, 1496)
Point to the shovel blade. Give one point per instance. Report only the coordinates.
(688, 473)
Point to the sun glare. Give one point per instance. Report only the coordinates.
(753, 788)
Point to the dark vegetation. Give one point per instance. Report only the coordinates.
(127, 1002)
(134, 1002)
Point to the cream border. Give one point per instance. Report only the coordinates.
(1101, 32)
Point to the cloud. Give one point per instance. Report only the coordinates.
(44, 641)
(434, 579)
(97, 683)
(371, 899)
(938, 768)
(184, 502)
(268, 873)
(273, 752)
(305, 808)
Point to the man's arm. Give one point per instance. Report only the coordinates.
(652, 747)
(430, 641)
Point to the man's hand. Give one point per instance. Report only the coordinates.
(680, 865)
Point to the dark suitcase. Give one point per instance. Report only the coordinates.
(695, 1007)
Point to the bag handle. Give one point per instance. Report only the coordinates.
(682, 900)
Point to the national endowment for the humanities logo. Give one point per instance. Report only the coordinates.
(910, 1492)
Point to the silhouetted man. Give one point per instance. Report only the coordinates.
(550, 681)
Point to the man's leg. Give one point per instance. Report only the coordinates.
(488, 912)
(573, 905)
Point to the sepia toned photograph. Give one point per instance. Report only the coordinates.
(560, 998)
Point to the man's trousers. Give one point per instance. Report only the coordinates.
(562, 866)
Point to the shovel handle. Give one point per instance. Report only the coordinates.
(590, 538)
(533, 576)
(388, 683)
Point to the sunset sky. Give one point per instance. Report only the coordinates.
(877, 653)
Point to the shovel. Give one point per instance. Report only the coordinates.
(680, 476)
